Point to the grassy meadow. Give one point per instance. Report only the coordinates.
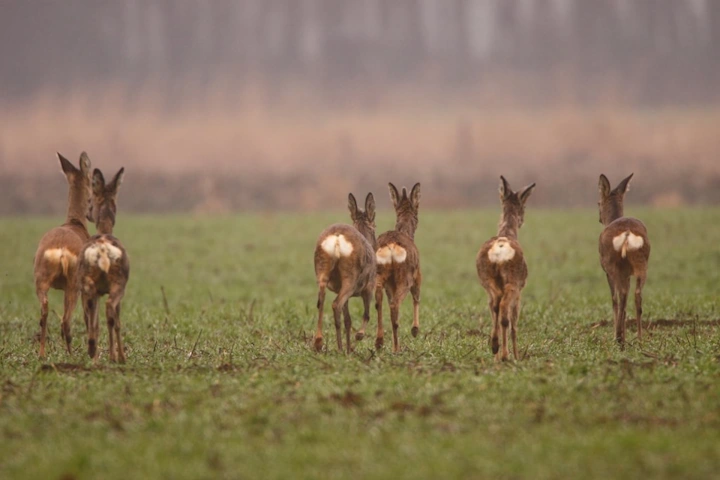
(221, 381)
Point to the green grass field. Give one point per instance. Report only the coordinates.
(223, 383)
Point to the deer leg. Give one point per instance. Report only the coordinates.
(415, 292)
(318, 342)
(494, 304)
(348, 325)
(513, 326)
(509, 297)
(613, 295)
(622, 291)
(395, 303)
(366, 297)
(113, 311)
(90, 312)
(338, 305)
(70, 301)
(638, 304)
(42, 294)
(379, 338)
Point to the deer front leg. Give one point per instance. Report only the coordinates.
(395, 303)
(42, 296)
(366, 297)
(338, 306)
(318, 342)
(348, 325)
(113, 311)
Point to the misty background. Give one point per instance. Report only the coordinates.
(223, 105)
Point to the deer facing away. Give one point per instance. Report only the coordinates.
(502, 269)
(55, 263)
(398, 264)
(104, 267)
(345, 264)
(624, 252)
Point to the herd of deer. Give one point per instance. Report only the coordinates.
(349, 261)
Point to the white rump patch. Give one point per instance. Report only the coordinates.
(627, 241)
(55, 255)
(337, 246)
(103, 255)
(501, 251)
(390, 253)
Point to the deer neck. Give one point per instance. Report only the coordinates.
(407, 224)
(509, 225)
(611, 212)
(77, 206)
(105, 221)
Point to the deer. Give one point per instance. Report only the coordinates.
(104, 267)
(345, 264)
(55, 261)
(624, 252)
(398, 264)
(502, 269)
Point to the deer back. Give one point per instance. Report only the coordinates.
(396, 254)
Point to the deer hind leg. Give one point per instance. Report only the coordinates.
(90, 312)
(415, 292)
(338, 306)
(509, 297)
(640, 283)
(622, 293)
(380, 336)
(366, 298)
(395, 303)
(494, 297)
(112, 312)
(41, 291)
(318, 341)
(513, 326)
(70, 302)
(348, 325)
(613, 295)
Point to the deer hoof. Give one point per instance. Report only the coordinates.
(379, 342)
(318, 344)
(415, 331)
(359, 336)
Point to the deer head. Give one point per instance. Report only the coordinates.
(513, 203)
(611, 200)
(103, 206)
(79, 181)
(364, 222)
(406, 209)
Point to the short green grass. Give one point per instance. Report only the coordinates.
(223, 383)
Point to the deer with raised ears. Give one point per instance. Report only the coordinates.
(502, 269)
(398, 264)
(104, 267)
(55, 263)
(345, 264)
(624, 252)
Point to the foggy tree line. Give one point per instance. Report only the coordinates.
(670, 45)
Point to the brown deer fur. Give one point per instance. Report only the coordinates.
(55, 263)
(104, 267)
(624, 252)
(398, 264)
(345, 264)
(502, 269)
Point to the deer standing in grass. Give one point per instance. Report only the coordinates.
(104, 267)
(502, 269)
(55, 263)
(624, 252)
(398, 264)
(345, 264)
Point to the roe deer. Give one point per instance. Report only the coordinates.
(398, 264)
(345, 263)
(104, 267)
(55, 263)
(502, 269)
(624, 251)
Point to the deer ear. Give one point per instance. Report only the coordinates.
(415, 196)
(394, 195)
(525, 193)
(352, 206)
(98, 182)
(66, 165)
(624, 186)
(370, 207)
(85, 164)
(505, 190)
(115, 183)
(604, 186)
